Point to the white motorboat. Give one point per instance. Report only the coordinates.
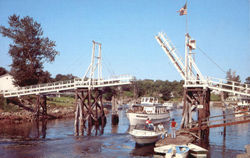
(173, 151)
(243, 107)
(143, 135)
(149, 108)
(197, 151)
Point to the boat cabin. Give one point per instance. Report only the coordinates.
(150, 109)
(149, 100)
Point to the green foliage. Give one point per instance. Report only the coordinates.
(60, 77)
(2, 71)
(164, 90)
(248, 80)
(128, 94)
(215, 97)
(61, 101)
(231, 76)
(29, 50)
(7, 105)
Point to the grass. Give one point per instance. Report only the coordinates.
(61, 101)
(215, 97)
(7, 107)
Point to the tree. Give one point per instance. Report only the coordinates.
(231, 76)
(248, 80)
(60, 77)
(29, 50)
(2, 71)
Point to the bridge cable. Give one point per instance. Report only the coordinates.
(108, 67)
(211, 60)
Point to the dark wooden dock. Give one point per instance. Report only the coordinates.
(182, 138)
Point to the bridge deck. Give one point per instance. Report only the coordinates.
(67, 85)
(220, 85)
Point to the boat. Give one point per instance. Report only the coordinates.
(173, 151)
(148, 109)
(168, 105)
(143, 135)
(197, 151)
(243, 107)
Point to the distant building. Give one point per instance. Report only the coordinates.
(6, 82)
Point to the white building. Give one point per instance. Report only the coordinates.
(6, 82)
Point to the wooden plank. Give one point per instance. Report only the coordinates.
(229, 123)
(220, 125)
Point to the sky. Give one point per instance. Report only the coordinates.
(126, 30)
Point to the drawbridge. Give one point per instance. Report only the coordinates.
(195, 78)
(197, 88)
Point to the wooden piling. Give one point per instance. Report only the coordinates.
(44, 105)
(89, 108)
(37, 106)
(115, 116)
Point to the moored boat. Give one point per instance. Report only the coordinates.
(148, 109)
(243, 107)
(197, 151)
(143, 135)
(173, 151)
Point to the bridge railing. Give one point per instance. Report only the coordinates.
(220, 85)
(67, 85)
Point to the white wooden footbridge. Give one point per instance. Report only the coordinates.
(87, 82)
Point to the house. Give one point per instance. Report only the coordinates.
(6, 83)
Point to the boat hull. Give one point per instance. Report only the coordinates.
(197, 151)
(139, 118)
(145, 137)
(180, 151)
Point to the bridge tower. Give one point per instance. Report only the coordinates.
(89, 106)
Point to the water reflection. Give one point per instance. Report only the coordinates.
(31, 130)
(55, 138)
(143, 150)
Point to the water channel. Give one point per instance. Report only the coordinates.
(55, 139)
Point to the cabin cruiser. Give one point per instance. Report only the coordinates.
(148, 109)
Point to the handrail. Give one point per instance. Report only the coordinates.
(67, 85)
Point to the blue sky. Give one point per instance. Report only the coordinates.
(126, 29)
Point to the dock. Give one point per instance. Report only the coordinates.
(245, 155)
(182, 138)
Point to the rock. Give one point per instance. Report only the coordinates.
(247, 147)
(242, 156)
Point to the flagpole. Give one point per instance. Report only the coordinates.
(186, 49)
(187, 18)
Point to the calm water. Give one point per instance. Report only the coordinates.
(54, 139)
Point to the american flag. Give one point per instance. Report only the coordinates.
(183, 10)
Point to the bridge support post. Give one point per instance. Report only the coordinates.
(88, 107)
(41, 103)
(115, 116)
(44, 105)
(199, 98)
(37, 106)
